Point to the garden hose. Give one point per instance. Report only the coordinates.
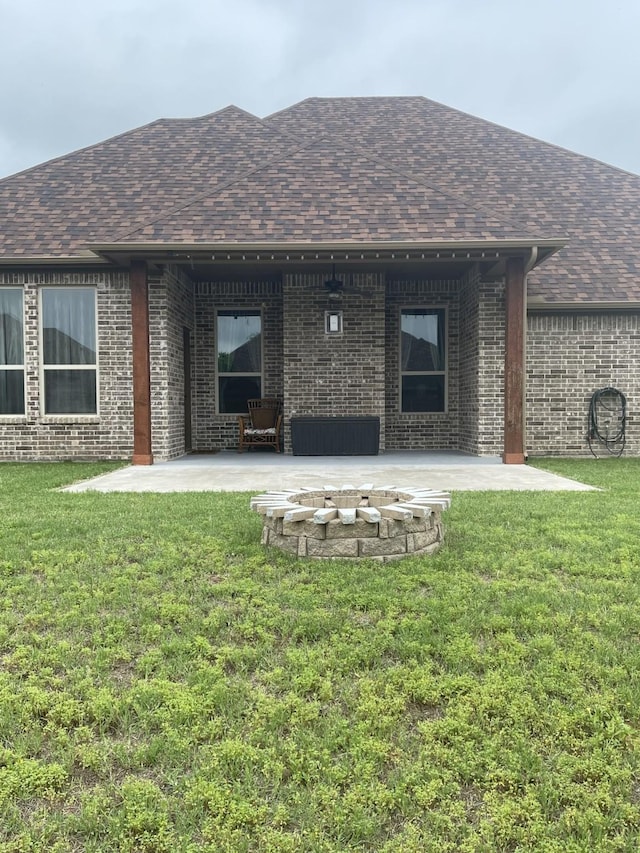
(607, 421)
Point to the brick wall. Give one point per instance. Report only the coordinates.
(341, 374)
(469, 363)
(108, 435)
(171, 310)
(569, 356)
(491, 328)
(212, 431)
(414, 430)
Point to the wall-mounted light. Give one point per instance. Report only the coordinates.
(333, 322)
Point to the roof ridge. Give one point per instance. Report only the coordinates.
(286, 109)
(345, 98)
(81, 150)
(268, 161)
(473, 116)
(535, 139)
(228, 108)
(256, 118)
(507, 220)
(130, 132)
(502, 220)
(143, 127)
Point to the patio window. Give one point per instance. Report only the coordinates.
(423, 360)
(11, 352)
(238, 358)
(69, 356)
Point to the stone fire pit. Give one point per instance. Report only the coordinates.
(377, 522)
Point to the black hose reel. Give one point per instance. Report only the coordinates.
(607, 421)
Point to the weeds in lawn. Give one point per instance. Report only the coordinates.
(166, 685)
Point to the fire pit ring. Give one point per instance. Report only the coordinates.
(349, 522)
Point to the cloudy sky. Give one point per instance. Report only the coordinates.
(74, 72)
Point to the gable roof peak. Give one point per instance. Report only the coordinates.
(232, 109)
(327, 99)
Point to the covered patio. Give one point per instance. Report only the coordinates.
(456, 386)
(260, 471)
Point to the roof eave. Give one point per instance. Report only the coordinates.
(557, 242)
(339, 250)
(537, 304)
(88, 258)
(121, 254)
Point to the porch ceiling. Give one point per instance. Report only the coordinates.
(269, 261)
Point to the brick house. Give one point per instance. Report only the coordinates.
(465, 286)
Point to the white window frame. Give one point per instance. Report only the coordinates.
(445, 372)
(221, 374)
(43, 367)
(7, 367)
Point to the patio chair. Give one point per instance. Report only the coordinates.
(262, 426)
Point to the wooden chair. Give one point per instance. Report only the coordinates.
(262, 426)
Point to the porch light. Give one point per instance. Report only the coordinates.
(333, 322)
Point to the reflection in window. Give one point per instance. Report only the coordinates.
(11, 352)
(239, 359)
(69, 350)
(423, 360)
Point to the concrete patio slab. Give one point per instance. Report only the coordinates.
(262, 471)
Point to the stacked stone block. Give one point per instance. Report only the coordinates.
(378, 523)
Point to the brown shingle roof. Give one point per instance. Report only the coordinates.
(60, 207)
(336, 169)
(326, 191)
(551, 189)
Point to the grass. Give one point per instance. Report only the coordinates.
(166, 685)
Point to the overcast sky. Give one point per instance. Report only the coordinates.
(74, 72)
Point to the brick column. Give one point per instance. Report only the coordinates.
(514, 362)
(142, 454)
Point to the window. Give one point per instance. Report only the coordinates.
(423, 360)
(239, 359)
(69, 351)
(11, 352)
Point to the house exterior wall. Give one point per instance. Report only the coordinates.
(569, 356)
(469, 365)
(334, 374)
(491, 353)
(213, 431)
(107, 435)
(171, 309)
(417, 430)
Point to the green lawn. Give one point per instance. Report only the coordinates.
(166, 685)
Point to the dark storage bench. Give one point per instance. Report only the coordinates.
(335, 436)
